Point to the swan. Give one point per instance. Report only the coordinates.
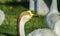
(2, 16)
(39, 6)
(57, 28)
(42, 8)
(53, 16)
(26, 16)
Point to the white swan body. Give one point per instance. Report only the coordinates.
(53, 16)
(57, 28)
(42, 32)
(2, 16)
(42, 8)
(26, 16)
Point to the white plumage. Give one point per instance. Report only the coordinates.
(42, 32)
(2, 16)
(39, 6)
(53, 16)
(42, 8)
(57, 28)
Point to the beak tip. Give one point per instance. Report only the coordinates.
(36, 16)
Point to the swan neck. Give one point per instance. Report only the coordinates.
(21, 28)
(54, 5)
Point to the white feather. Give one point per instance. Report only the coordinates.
(42, 8)
(53, 15)
(2, 16)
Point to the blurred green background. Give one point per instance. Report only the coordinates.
(12, 8)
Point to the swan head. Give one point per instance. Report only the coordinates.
(25, 16)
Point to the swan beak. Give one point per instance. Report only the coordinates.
(35, 15)
(31, 14)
